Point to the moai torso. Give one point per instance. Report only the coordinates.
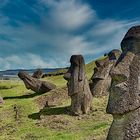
(124, 98)
(101, 79)
(78, 86)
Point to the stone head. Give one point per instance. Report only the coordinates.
(131, 41)
(125, 85)
(76, 73)
(25, 77)
(76, 68)
(103, 66)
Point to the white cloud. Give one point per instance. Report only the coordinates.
(69, 14)
(37, 61)
(110, 26)
(58, 37)
(26, 61)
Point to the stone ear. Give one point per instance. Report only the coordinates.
(81, 70)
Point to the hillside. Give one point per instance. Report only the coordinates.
(19, 116)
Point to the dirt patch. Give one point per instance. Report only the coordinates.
(56, 122)
(55, 97)
(30, 137)
(8, 129)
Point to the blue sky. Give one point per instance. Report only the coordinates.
(45, 33)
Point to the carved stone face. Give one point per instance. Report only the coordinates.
(124, 94)
(75, 73)
(101, 79)
(24, 76)
(124, 97)
(103, 66)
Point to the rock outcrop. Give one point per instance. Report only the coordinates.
(101, 79)
(78, 86)
(124, 98)
(35, 84)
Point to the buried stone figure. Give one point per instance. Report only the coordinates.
(124, 98)
(78, 86)
(101, 79)
(35, 84)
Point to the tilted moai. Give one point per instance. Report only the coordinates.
(35, 84)
(37, 74)
(124, 98)
(101, 79)
(78, 86)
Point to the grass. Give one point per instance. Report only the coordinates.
(55, 123)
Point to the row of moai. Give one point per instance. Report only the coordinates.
(118, 75)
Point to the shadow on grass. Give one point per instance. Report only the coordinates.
(23, 96)
(49, 111)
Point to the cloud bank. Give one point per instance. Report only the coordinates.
(53, 31)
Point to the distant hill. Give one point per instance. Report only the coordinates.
(30, 71)
(13, 74)
(48, 71)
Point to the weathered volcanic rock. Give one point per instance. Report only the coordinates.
(35, 84)
(78, 86)
(37, 74)
(132, 38)
(124, 98)
(101, 79)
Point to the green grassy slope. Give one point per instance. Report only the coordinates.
(55, 123)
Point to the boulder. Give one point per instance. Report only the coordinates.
(101, 79)
(35, 84)
(78, 86)
(124, 97)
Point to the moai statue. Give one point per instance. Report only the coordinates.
(101, 79)
(124, 97)
(35, 84)
(78, 86)
(37, 74)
